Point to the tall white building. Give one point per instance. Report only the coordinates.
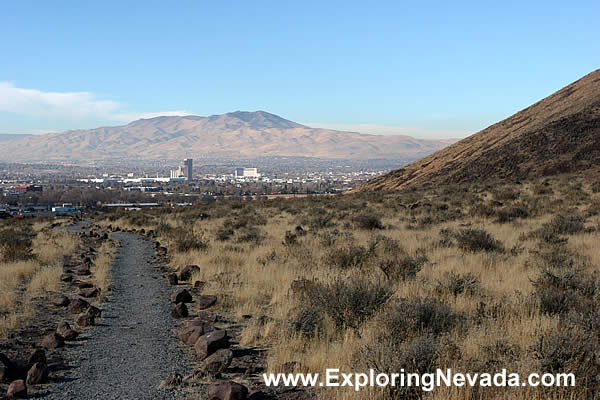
(246, 173)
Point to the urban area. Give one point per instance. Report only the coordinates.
(65, 190)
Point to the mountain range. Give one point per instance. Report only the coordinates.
(236, 134)
(559, 134)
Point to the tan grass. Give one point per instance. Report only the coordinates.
(248, 281)
(102, 266)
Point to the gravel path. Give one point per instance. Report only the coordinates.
(131, 350)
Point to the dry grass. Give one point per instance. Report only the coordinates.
(102, 265)
(249, 261)
(33, 276)
(50, 247)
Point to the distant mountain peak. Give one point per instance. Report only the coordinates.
(245, 134)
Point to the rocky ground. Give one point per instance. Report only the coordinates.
(222, 368)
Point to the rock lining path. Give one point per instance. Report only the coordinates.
(131, 349)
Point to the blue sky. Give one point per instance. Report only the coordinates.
(428, 69)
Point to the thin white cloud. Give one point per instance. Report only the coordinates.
(377, 129)
(67, 105)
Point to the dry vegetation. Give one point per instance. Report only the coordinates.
(31, 260)
(101, 269)
(474, 278)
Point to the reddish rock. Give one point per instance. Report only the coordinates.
(227, 390)
(17, 389)
(89, 292)
(207, 316)
(38, 373)
(187, 272)
(208, 343)
(173, 279)
(181, 296)
(77, 306)
(52, 341)
(59, 300)
(85, 320)
(205, 301)
(191, 334)
(64, 329)
(207, 326)
(216, 363)
(66, 278)
(180, 311)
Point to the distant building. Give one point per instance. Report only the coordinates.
(185, 171)
(28, 188)
(189, 168)
(246, 173)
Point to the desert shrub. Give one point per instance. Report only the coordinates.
(387, 255)
(15, 244)
(561, 225)
(185, 240)
(348, 302)
(570, 352)
(418, 357)
(250, 235)
(446, 238)
(556, 257)
(307, 322)
(367, 221)
(402, 268)
(416, 317)
(477, 240)
(553, 301)
(561, 291)
(318, 218)
(346, 256)
(511, 213)
(224, 234)
(329, 238)
(587, 319)
(456, 284)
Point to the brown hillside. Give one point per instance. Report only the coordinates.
(558, 134)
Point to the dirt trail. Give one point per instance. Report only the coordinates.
(131, 349)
